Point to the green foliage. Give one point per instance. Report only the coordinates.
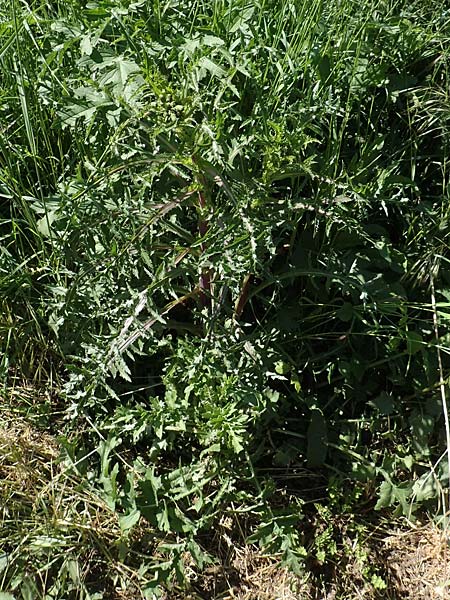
(220, 226)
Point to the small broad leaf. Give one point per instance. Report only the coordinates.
(77, 111)
(243, 17)
(118, 74)
(129, 520)
(213, 41)
(190, 46)
(414, 342)
(44, 225)
(345, 313)
(385, 496)
(236, 442)
(200, 557)
(86, 45)
(73, 568)
(4, 560)
(282, 368)
(296, 382)
(384, 404)
(317, 440)
(408, 461)
(390, 494)
(212, 67)
(422, 426)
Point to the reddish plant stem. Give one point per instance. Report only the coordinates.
(243, 297)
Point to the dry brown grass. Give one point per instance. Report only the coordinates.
(413, 561)
(250, 575)
(417, 563)
(47, 519)
(27, 455)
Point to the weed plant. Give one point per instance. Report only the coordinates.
(224, 242)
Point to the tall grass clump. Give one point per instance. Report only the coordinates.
(222, 226)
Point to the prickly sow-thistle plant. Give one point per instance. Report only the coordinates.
(225, 244)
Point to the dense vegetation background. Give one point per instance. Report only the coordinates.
(224, 254)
